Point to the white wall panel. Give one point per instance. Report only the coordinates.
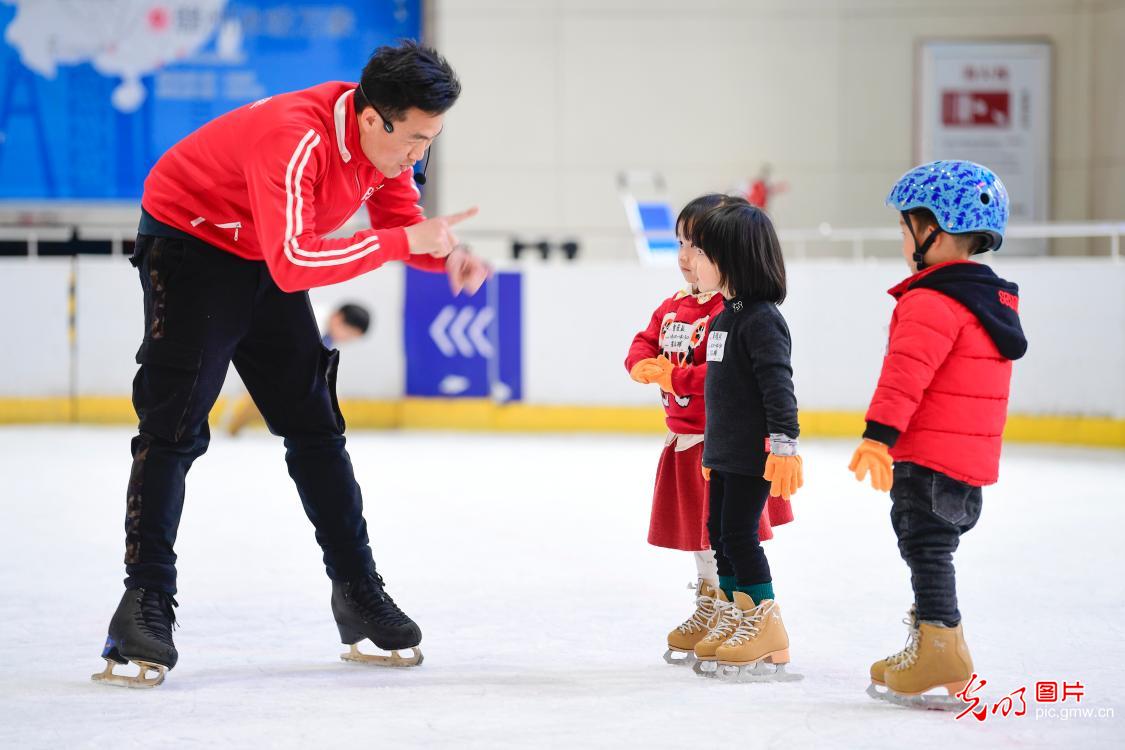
(559, 96)
(33, 327)
(110, 325)
(578, 322)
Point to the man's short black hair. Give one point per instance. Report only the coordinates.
(355, 316)
(740, 240)
(405, 76)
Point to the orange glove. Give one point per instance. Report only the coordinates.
(706, 473)
(640, 371)
(654, 370)
(874, 457)
(663, 377)
(785, 474)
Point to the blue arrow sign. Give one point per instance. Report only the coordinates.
(463, 346)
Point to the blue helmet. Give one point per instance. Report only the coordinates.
(963, 196)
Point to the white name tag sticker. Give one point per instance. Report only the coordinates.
(677, 339)
(716, 346)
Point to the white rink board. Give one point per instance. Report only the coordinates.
(33, 327)
(578, 321)
(581, 319)
(110, 323)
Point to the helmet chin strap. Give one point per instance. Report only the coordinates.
(920, 250)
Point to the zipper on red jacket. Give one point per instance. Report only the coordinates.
(235, 225)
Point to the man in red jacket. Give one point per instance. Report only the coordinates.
(232, 234)
(936, 421)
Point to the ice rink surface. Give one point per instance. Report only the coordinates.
(524, 560)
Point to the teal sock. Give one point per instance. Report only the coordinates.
(728, 584)
(758, 591)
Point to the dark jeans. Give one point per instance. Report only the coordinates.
(737, 501)
(203, 309)
(929, 512)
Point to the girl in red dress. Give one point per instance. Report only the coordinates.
(670, 352)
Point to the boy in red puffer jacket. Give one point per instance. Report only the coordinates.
(936, 421)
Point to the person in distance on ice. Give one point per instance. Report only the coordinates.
(232, 234)
(671, 353)
(750, 442)
(936, 421)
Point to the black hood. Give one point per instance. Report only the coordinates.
(992, 300)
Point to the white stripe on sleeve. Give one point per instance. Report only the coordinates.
(294, 220)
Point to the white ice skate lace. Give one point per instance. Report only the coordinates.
(910, 650)
(909, 654)
(728, 618)
(748, 628)
(704, 610)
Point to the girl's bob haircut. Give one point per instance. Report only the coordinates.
(740, 240)
(698, 208)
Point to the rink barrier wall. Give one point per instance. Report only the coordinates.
(1067, 389)
(479, 415)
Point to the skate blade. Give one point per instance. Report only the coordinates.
(705, 667)
(382, 660)
(687, 658)
(760, 671)
(140, 680)
(926, 701)
(874, 691)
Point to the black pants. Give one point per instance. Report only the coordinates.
(929, 512)
(737, 501)
(203, 309)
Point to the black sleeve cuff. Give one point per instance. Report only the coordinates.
(882, 433)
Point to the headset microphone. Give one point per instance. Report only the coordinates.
(420, 178)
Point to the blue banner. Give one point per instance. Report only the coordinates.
(463, 346)
(92, 93)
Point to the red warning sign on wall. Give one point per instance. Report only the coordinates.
(975, 109)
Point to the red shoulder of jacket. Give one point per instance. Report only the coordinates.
(932, 309)
(326, 108)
